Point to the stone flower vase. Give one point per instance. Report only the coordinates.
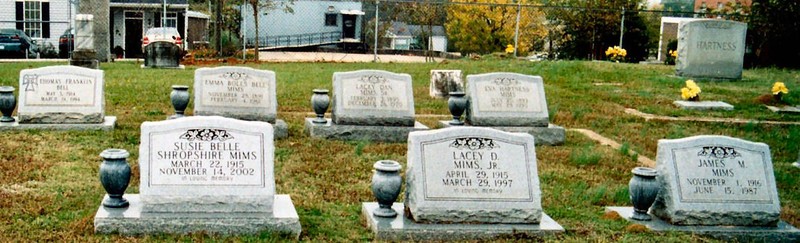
(7, 103)
(115, 173)
(386, 184)
(643, 189)
(180, 99)
(457, 104)
(320, 102)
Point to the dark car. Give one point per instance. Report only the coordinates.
(15, 43)
(66, 43)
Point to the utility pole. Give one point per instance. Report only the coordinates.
(622, 27)
(375, 47)
(516, 28)
(218, 27)
(164, 15)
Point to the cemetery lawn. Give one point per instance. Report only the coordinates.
(49, 187)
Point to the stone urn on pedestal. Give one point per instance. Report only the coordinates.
(115, 174)
(457, 103)
(320, 102)
(180, 100)
(7, 103)
(386, 184)
(643, 189)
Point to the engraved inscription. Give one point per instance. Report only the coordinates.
(374, 92)
(509, 95)
(235, 89)
(59, 89)
(721, 173)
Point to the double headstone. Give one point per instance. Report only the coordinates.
(511, 102)
(710, 48)
(718, 186)
(204, 173)
(467, 183)
(238, 92)
(369, 105)
(63, 98)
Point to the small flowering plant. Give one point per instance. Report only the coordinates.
(509, 48)
(691, 92)
(616, 54)
(778, 89)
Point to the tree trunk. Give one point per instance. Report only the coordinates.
(218, 27)
(255, 17)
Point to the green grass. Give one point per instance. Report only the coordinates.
(49, 189)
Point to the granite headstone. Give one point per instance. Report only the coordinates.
(506, 99)
(711, 48)
(236, 92)
(716, 180)
(372, 97)
(61, 94)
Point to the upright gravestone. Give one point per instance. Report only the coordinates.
(445, 81)
(711, 48)
(84, 54)
(62, 97)
(511, 102)
(238, 92)
(369, 105)
(718, 186)
(210, 174)
(467, 183)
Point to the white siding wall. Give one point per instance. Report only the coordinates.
(438, 43)
(59, 18)
(308, 17)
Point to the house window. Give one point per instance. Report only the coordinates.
(171, 20)
(33, 18)
(330, 19)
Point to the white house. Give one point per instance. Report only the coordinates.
(42, 20)
(130, 19)
(405, 37)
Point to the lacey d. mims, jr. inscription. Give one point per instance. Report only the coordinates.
(507, 94)
(208, 157)
(234, 89)
(374, 92)
(62, 89)
(721, 174)
(476, 169)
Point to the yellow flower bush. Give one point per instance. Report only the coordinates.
(673, 53)
(510, 48)
(691, 91)
(616, 53)
(779, 87)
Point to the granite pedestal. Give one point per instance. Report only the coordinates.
(330, 130)
(401, 228)
(783, 232)
(107, 125)
(550, 135)
(133, 221)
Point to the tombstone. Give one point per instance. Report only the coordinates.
(204, 174)
(84, 54)
(445, 81)
(511, 102)
(703, 105)
(719, 186)
(711, 48)
(369, 105)
(467, 183)
(238, 92)
(61, 98)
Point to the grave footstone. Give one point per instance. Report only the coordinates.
(369, 105)
(718, 186)
(511, 102)
(204, 174)
(710, 48)
(238, 92)
(61, 98)
(445, 81)
(467, 183)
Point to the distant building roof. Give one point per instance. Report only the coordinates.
(403, 29)
(198, 15)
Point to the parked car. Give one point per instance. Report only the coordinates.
(162, 47)
(15, 43)
(66, 43)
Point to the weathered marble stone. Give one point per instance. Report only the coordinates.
(716, 180)
(506, 99)
(703, 105)
(445, 81)
(472, 175)
(237, 92)
(204, 173)
(711, 48)
(61, 94)
(372, 97)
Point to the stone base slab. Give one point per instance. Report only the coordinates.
(703, 105)
(784, 109)
(784, 232)
(130, 221)
(178, 67)
(330, 130)
(401, 228)
(552, 134)
(280, 128)
(108, 124)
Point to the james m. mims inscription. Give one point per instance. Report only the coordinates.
(204, 156)
(721, 174)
